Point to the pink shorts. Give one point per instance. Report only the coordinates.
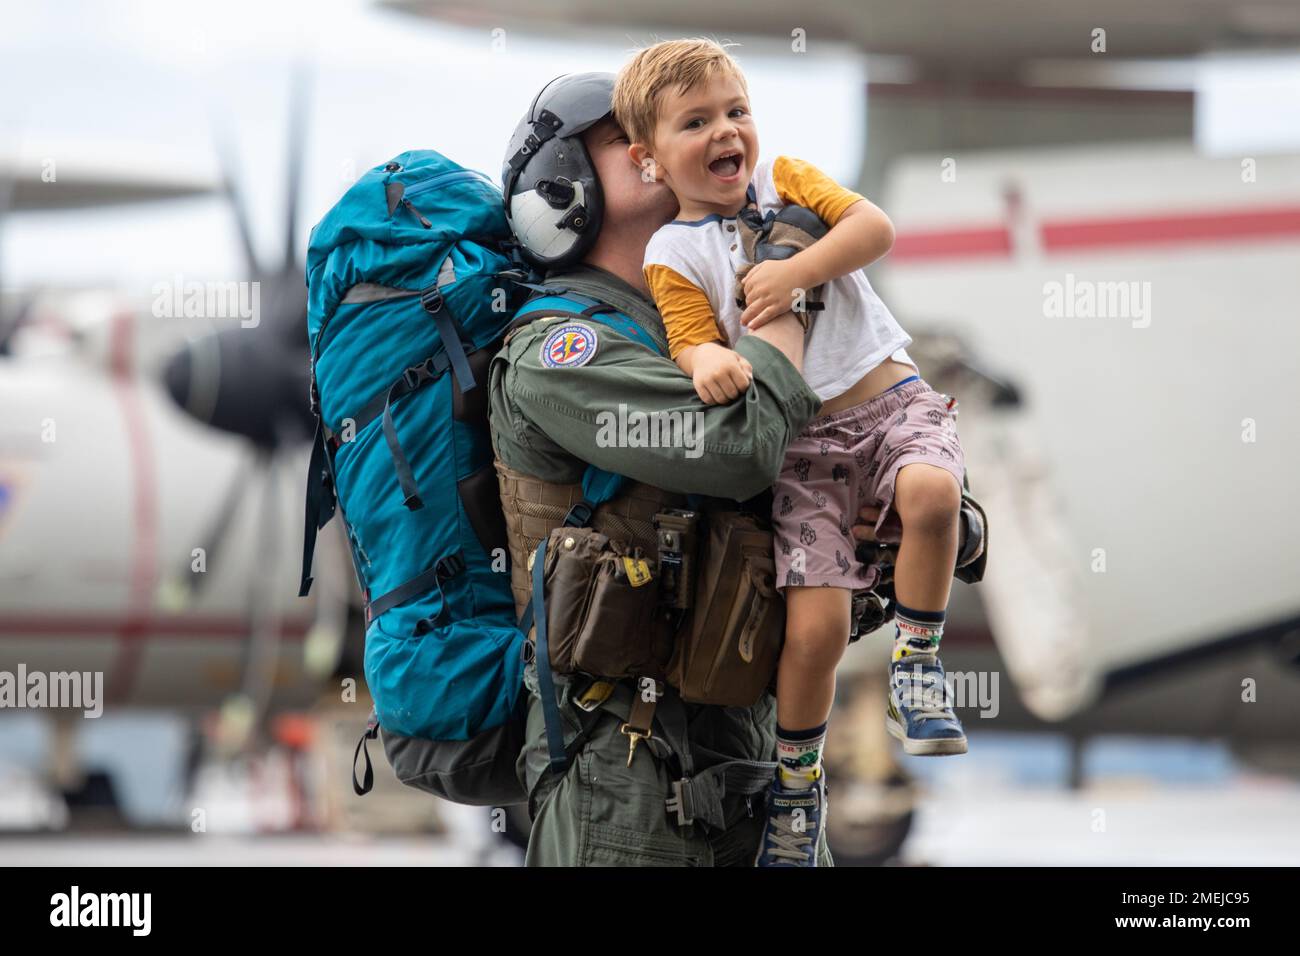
(849, 460)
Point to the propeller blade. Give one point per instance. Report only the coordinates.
(299, 102)
(6, 196)
(224, 145)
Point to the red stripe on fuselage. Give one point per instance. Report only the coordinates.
(952, 243)
(1162, 230)
(1060, 235)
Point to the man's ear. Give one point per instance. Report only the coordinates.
(644, 161)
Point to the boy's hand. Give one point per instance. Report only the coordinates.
(719, 374)
(771, 288)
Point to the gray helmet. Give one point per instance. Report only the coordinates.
(553, 198)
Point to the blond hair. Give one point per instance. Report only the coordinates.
(684, 64)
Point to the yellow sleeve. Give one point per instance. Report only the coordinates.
(688, 317)
(803, 184)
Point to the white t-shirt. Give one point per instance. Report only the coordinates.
(853, 334)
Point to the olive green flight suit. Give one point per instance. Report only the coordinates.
(544, 423)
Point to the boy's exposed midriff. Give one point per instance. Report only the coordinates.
(885, 375)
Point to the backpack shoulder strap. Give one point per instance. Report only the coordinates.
(557, 300)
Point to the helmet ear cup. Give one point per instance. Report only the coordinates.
(553, 197)
(557, 205)
(544, 238)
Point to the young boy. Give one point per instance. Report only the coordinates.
(884, 437)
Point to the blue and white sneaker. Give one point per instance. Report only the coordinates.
(794, 818)
(920, 712)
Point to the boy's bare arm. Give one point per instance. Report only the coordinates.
(786, 335)
(861, 236)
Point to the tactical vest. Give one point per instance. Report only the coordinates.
(534, 507)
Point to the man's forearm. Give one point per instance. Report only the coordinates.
(608, 411)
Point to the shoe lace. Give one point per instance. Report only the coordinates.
(784, 841)
(916, 690)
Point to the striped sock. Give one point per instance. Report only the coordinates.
(917, 632)
(799, 755)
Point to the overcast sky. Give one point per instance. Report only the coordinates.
(99, 82)
(145, 79)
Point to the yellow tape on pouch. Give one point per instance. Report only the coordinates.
(638, 571)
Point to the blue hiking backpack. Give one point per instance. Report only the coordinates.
(412, 282)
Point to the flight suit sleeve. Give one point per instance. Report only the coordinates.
(631, 411)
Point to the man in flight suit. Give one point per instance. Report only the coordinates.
(568, 164)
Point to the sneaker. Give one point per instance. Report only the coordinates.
(920, 713)
(784, 842)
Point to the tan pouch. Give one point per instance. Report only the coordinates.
(623, 632)
(728, 650)
(602, 612)
(571, 555)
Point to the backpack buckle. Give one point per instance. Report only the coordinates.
(579, 515)
(431, 300)
(417, 375)
(449, 566)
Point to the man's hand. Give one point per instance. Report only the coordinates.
(866, 532)
(970, 548)
(771, 288)
(719, 374)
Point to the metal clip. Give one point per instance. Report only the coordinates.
(634, 737)
(680, 801)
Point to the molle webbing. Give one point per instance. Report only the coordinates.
(534, 507)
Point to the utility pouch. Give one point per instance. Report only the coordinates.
(602, 607)
(728, 649)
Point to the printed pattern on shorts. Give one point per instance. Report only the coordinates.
(849, 460)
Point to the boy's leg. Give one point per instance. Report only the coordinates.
(817, 632)
(928, 501)
(813, 503)
(816, 635)
(915, 476)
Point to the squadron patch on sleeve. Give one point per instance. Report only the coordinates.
(569, 346)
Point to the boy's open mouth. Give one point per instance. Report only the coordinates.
(727, 166)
